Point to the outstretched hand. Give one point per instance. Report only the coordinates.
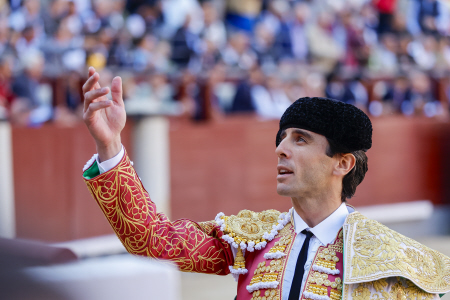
(104, 118)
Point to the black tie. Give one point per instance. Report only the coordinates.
(300, 267)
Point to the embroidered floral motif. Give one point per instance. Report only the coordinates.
(375, 251)
(143, 231)
(402, 289)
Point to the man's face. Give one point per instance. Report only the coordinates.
(304, 169)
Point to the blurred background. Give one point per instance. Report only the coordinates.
(205, 83)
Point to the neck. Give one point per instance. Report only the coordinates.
(314, 210)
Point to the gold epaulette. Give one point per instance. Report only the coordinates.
(250, 230)
(373, 251)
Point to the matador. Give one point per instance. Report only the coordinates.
(321, 249)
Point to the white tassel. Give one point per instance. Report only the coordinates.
(275, 255)
(325, 270)
(90, 162)
(235, 277)
(236, 272)
(218, 219)
(262, 285)
(313, 296)
(243, 246)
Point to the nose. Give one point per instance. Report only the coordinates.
(283, 150)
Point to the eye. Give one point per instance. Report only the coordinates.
(301, 139)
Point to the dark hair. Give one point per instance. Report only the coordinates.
(356, 175)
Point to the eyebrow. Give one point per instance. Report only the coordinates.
(299, 131)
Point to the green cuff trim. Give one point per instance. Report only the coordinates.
(92, 172)
(441, 295)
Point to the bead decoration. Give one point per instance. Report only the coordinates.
(242, 243)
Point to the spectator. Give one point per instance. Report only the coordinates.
(298, 35)
(383, 57)
(423, 51)
(422, 101)
(33, 105)
(397, 93)
(270, 101)
(185, 41)
(185, 45)
(6, 94)
(243, 101)
(238, 54)
(319, 35)
(241, 15)
(386, 10)
(337, 88)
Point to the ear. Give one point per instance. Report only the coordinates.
(345, 164)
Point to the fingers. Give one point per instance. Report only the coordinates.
(91, 71)
(116, 90)
(92, 80)
(94, 106)
(94, 95)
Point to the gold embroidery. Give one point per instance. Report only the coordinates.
(239, 261)
(208, 226)
(249, 226)
(318, 289)
(143, 231)
(327, 259)
(257, 278)
(320, 281)
(273, 271)
(403, 289)
(269, 294)
(335, 294)
(376, 252)
(280, 245)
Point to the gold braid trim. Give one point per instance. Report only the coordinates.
(373, 251)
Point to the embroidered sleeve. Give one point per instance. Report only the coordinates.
(132, 215)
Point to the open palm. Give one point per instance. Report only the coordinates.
(104, 118)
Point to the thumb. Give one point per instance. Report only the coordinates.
(116, 90)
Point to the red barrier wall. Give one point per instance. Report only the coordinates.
(231, 166)
(224, 166)
(52, 201)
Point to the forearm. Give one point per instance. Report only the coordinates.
(107, 151)
(143, 231)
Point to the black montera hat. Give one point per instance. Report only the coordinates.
(346, 125)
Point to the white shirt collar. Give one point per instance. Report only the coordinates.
(326, 230)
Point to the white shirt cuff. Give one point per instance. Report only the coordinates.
(109, 164)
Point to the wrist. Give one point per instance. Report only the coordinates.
(106, 152)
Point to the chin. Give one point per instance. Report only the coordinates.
(283, 191)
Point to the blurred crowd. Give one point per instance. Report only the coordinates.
(203, 59)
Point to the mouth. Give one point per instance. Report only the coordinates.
(283, 172)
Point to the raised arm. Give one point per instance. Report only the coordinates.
(193, 247)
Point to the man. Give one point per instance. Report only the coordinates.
(321, 249)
